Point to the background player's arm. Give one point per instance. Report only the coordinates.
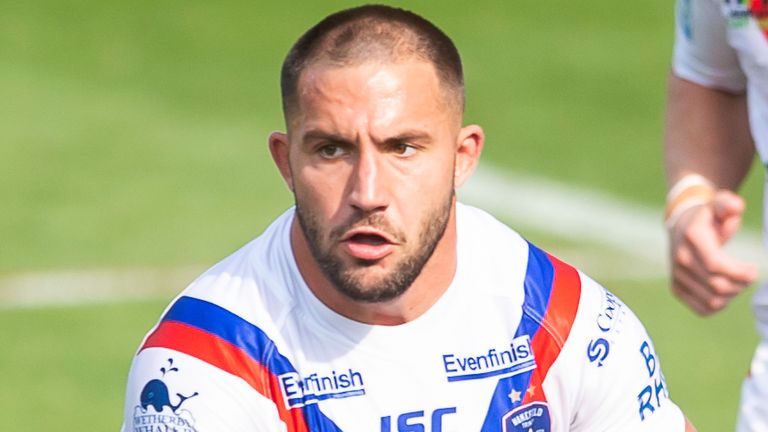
(707, 133)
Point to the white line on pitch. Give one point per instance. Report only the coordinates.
(630, 239)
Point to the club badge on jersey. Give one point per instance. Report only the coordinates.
(532, 417)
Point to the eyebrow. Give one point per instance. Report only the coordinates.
(405, 136)
(315, 134)
(410, 136)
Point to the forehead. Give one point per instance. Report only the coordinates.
(372, 93)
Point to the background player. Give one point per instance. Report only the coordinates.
(717, 115)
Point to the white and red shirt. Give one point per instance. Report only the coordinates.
(723, 44)
(520, 341)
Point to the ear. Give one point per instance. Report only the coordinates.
(469, 146)
(279, 146)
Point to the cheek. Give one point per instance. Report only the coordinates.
(424, 191)
(319, 191)
(434, 178)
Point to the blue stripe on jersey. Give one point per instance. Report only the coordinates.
(537, 288)
(252, 340)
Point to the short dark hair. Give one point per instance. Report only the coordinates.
(372, 32)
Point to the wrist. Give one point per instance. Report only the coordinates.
(689, 191)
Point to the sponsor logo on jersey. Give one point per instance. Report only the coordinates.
(598, 350)
(655, 392)
(515, 358)
(532, 417)
(608, 321)
(417, 421)
(739, 13)
(610, 314)
(299, 391)
(156, 411)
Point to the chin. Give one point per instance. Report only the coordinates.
(371, 288)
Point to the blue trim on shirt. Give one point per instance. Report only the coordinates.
(538, 289)
(252, 340)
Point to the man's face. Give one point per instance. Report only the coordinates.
(372, 151)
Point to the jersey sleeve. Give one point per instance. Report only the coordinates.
(621, 386)
(702, 53)
(167, 388)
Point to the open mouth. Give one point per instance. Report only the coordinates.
(368, 245)
(369, 239)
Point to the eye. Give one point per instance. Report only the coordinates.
(403, 149)
(331, 151)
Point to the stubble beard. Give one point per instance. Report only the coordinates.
(343, 276)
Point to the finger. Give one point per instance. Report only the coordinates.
(727, 208)
(689, 267)
(700, 266)
(728, 267)
(698, 296)
(722, 286)
(688, 270)
(728, 228)
(685, 237)
(696, 244)
(704, 297)
(696, 304)
(703, 289)
(710, 258)
(726, 203)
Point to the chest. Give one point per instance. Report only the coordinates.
(451, 376)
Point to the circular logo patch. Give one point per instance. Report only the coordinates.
(532, 417)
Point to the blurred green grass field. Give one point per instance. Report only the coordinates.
(133, 134)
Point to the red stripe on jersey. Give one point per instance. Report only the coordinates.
(759, 10)
(229, 358)
(555, 327)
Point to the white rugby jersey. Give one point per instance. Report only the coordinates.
(724, 44)
(520, 342)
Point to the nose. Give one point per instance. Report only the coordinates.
(367, 184)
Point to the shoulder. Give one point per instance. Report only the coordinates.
(553, 294)
(213, 360)
(170, 387)
(596, 362)
(505, 264)
(611, 369)
(254, 282)
(220, 337)
(250, 291)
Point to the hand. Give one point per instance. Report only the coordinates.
(703, 275)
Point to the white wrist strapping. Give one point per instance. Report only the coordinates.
(690, 191)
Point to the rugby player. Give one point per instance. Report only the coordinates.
(379, 303)
(717, 115)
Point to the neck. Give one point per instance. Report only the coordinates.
(429, 286)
